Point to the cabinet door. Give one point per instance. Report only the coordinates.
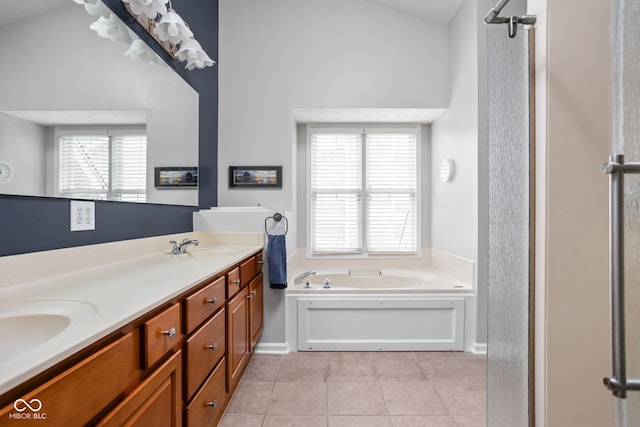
(237, 337)
(256, 311)
(155, 402)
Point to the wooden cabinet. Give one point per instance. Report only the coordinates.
(155, 402)
(78, 394)
(237, 337)
(179, 363)
(256, 309)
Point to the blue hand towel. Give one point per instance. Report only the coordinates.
(277, 254)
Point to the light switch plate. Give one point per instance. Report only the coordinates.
(82, 215)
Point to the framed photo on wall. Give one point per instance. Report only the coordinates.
(176, 177)
(255, 176)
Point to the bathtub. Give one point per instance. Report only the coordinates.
(373, 309)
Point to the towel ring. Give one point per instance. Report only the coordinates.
(277, 217)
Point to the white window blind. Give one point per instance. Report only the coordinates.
(363, 192)
(102, 167)
(336, 193)
(391, 177)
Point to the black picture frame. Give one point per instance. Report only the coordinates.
(176, 177)
(255, 176)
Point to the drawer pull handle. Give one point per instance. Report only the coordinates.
(212, 300)
(212, 347)
(237, 281)
(260, 262)
(248, 296)
(212, 404)
(254, 292)
(171, 333)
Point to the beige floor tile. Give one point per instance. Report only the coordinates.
(365, 421)
(303, 369)
(350, 367)
(454, 369)
(391, 355)
(251, 398)
(262, 368)
(298, 398)
(294, 421)
(471, 420)
(422, 355)
(398, 369)
(241, 420)
(355, 398)
(423, 421)
(464, 397)
(412, 398)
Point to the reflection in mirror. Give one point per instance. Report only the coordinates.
(64, 78)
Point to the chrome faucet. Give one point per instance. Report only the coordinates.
(181, 248)
(301, 277)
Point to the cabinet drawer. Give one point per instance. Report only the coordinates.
(233, 282)
(155, 402)
(203, 350)
(248, 270)
(161, 334)
(206, 407)
(259, 262)
(202, 304)
(75, 396)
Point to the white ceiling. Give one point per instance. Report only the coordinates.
(52, 118)
(441, 11)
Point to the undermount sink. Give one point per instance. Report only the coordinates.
(28, 325)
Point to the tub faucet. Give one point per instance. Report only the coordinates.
(301, 277)
(181, 248)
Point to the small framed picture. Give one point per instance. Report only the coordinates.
(176, 177)
(255, 176)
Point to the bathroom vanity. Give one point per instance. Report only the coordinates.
(170, 358)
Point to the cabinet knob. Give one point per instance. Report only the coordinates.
(254, 292)
(248, 296)
(212, 301)
(170, 333)
(212, 347)
(212, 404)
(237, 281)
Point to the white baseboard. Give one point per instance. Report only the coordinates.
(479, 348)
(271, 348)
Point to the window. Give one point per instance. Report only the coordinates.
(103, 165)
(363, 191)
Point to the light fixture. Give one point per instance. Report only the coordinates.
(111, 28)
(172, 28)
(141, 51)
(150, 8)
(95, 7)
(446, 170)
(171, 33)
(192, 52)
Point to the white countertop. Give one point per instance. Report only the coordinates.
(113, 285)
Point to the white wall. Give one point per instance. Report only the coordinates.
(281, 55)
(56, 75)
(23, 146)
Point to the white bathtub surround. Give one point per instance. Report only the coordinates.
(377, 304)
(118, 281)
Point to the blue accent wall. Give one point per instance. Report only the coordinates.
(32, 224)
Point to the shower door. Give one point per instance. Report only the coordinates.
(624, 172)
(510, 251)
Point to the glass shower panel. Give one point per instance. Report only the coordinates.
(627, 142)
(510, 219)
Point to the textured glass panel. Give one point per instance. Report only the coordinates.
(509, 221)
(627, 142)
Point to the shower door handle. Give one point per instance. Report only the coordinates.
(618, 383)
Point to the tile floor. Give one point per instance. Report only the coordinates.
(351, 389)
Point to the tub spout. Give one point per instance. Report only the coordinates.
(301, 277)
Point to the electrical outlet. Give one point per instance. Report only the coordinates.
(82, 215)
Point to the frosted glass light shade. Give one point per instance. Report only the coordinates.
(172, 28)
(149, 8)
(111, 28)
(192, 52)
(139, 50)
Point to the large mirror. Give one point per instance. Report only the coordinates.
(59, 75)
